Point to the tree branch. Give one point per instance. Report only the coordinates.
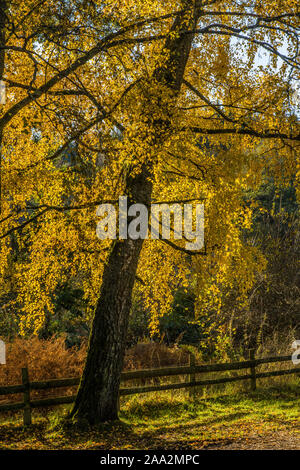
(251, 132)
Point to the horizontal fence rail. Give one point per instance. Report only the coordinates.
(191, 370)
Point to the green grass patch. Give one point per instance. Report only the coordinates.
(166, 421)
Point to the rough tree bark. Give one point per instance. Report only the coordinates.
(97, 398)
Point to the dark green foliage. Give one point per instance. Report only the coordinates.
(69, 317)
(138, 322)
(274, 301)
(178, 326)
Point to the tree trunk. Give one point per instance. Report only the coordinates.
(97, 398)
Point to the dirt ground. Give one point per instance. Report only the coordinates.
(275, 441)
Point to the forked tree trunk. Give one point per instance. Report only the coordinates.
(97, 398)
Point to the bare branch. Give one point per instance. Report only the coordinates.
(263, 134)
(183, 250)
(207, 101)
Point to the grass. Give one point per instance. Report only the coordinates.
(167, 421)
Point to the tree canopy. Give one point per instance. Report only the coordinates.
(74, 122)
(199, 91)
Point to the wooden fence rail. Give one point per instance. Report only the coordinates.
(191, 370)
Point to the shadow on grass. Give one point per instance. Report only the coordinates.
(155, 422)
(115, 435)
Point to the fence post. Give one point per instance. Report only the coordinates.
(192, 376)
(26, 397)
(252, 369)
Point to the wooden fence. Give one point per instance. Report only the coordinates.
(191, 370)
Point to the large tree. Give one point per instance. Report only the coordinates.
(160, 100)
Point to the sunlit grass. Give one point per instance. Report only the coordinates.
(166, 420)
